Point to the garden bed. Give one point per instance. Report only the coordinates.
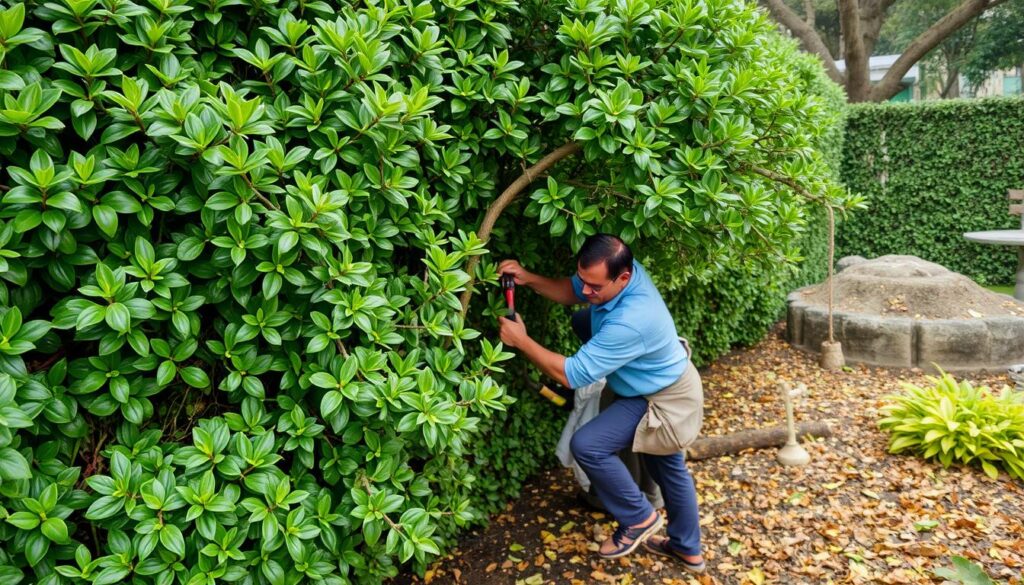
(855, 514)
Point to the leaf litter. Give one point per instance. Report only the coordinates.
(855, 514)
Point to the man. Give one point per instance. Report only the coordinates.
(635, 346)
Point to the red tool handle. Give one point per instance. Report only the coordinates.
(508, 282)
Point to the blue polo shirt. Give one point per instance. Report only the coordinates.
(634, 344)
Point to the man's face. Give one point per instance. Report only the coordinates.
(597, 287)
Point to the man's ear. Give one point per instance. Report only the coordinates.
(625, 276)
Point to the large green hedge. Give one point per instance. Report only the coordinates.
(930, 172)
(739, 304)
(232, 234)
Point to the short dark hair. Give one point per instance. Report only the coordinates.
(608, 249)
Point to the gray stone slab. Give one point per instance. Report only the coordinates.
(954, 344)
(795, 323)
(1007, 340)
(872, 340)
(815, 328)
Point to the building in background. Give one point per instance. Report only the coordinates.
(879, 65)
(1007, 82)
(915, 88)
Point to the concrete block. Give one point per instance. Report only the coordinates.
(953, 344)
(873, 340)
(1007, 340)
(795, 323)
(815, 328)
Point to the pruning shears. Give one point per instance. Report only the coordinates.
(508, 283)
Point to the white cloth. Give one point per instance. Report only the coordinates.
(586, 405)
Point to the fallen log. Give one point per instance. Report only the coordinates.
(708, 447)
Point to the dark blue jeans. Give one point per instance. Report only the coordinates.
(596, 447)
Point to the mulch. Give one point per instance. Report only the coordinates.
(855, 514)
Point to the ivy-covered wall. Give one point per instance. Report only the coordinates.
(932, 171)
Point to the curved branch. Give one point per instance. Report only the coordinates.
(925, 42)
(506, 197)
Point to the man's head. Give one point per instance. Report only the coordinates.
(605, 265)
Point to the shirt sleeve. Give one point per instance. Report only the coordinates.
(577, 287)
(614, 346)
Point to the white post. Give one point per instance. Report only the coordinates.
(792, 453)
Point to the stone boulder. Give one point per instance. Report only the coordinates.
(904, 311)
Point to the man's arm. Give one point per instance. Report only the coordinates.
(558, 290)
(547, 361)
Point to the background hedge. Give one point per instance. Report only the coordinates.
(930, 172)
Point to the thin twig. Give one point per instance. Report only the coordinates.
(366, 484)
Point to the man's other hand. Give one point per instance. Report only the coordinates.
(513, 267)
(513, 333)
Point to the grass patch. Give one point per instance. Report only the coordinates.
(1004, 289)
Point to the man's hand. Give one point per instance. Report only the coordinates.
(513, 333)
(522, 276)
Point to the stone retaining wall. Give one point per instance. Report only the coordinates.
(985, 343)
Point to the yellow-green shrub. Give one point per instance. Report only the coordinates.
(957, 422)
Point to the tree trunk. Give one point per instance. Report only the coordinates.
(951, 87)
(809, 38)
(858, 79)
(709, 447)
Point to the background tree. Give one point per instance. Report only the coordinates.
(1000, 43)
(944, 64)
(988, 43)
(861, 23)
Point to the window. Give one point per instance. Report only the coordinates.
(1011, 85)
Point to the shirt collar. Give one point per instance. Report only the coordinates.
(614, 302)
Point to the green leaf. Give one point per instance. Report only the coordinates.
(27, 220)
(36, 547)
(172, 539)
(23, 520)
(330, 403)
(965, 572)
(106, 219)
(190, 249)
(104, 507)
(66, 201)
(166, 372)
(323, 380)
(111, 575)
(118, 317)
(195, 377)
(13, 465)
(56, 530)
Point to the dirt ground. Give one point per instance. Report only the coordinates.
(855, 514)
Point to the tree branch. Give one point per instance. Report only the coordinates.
(925, 42)
(808, 37)
(789, 183)
(503, 200)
